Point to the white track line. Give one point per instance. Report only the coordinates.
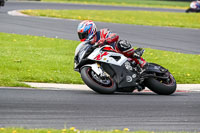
(54, 86)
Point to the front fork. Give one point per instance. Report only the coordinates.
(96, 67)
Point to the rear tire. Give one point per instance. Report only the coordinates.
(102, 86)
(160, 87)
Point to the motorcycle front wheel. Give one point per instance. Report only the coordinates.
(102, 85)
(188, 10)
(162, 86)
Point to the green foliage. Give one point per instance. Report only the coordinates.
(185, 20)
(41, 59)
(140, 3)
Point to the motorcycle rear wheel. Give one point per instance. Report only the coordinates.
(102, 85)
(162, 87)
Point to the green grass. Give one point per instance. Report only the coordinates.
(36, 59)
(41, 59)
(73, 130)
(139, 3)
(126, 17)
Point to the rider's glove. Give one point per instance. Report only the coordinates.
(138, 52)
(101, 42)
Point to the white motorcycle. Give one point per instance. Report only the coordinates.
(106, 71)
(194, 7)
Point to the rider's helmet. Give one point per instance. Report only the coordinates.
(86, 29)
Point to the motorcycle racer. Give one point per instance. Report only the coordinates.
(198, 4)
(87, 30)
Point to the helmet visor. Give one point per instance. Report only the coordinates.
(82, 35)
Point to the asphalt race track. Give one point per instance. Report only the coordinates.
(87, 110)
(31, 108)
(37, 5)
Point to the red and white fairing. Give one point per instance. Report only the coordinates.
(110, 57)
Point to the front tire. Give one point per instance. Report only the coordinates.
(162, 87)
(188, 10)
(100, 85)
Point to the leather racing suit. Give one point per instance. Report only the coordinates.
(105, 36)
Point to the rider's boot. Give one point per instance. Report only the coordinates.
(139, 60)
(140, 63)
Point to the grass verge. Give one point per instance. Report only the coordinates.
(126, 17)
(41, 59)
(139, 3)
(36, 59)
(71, 130)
